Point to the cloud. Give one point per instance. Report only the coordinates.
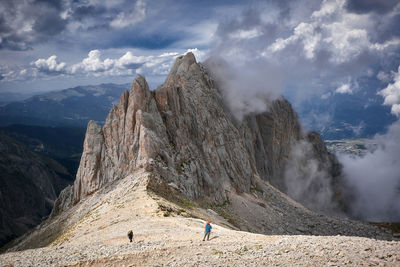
(131, 17)
(303, 32)
(17, 74)
(127, 64)
(366, 6)
(245, 89)
(344, 89)
(26, 22)
(309, 49)
(308, 181)
(50, 65)
(343, 35)
(306, 49)
(391, 93)
(384, 77)
(93, 64)
(49, 24)
(245, 34)
(96, 65)
(375, 178)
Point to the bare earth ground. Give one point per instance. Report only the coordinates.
(184, 247)
(167, 235)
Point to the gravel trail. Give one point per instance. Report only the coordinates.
(224, 249)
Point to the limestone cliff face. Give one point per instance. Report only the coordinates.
(130, 139)
(184, 134)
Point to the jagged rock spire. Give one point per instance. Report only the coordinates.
(182, 133)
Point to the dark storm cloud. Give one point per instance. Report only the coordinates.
(141, 23)
(366, 6)
(24, 23)
(387, 28)
(4, 28)
(49, 25)
(56, 4)
(120, 24)
(87, 11)
(15, 43)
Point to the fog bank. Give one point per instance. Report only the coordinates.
(374, 179)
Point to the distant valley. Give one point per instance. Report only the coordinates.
(63, 144)
(353, 147)
(346, 117)
(29, 185)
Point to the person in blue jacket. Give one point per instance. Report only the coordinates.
(207, 231)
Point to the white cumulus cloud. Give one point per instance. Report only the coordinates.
(344, 89)
(305, 33)
(96, 65)
(93, 63)
(391, 94)
(331, 28)
(50, 65)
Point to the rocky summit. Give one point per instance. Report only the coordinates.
(167, 160)
(183, 133)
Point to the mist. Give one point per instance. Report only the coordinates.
(374, 179)
(308, 180)
(246, 88)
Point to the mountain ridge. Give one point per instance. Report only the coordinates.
(167, 156)
(69, 107)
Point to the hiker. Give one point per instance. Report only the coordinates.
(207, 231)
(130, 235)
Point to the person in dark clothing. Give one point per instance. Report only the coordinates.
(207, 231)
(130, 235)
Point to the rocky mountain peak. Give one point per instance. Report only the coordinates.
(183, 133)
(182, 65)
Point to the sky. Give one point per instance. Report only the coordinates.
(47, 45)
(299, 48)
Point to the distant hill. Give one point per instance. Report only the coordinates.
(68, 107)
(8, 97)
